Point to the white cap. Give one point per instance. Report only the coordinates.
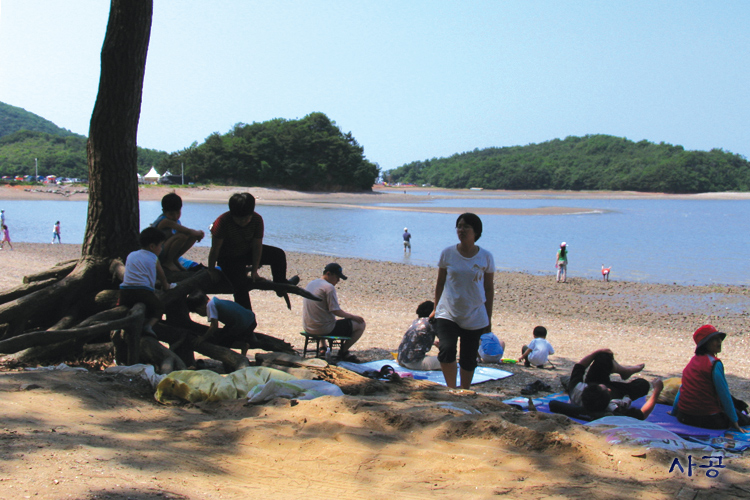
(405, 229)
(563, 244)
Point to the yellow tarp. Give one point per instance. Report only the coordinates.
(205, 385)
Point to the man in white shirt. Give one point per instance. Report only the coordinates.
(319, 317)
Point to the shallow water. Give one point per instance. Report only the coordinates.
(659, 241)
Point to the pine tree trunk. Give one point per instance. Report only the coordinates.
(113, 216)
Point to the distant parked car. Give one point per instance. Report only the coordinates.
(172, 179)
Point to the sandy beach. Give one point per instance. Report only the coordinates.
(415, 196)
(95, 436)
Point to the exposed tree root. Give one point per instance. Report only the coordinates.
(62, 309)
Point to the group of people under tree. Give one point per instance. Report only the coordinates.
(461, 314)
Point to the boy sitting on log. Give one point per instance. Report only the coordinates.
(142, 268)
(179, 239)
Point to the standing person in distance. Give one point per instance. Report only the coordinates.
(464, 293)
(56, 232)
(407, 240)
(561, 263)
(6, 238)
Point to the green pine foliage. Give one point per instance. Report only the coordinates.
(593, 162)
(308, 154)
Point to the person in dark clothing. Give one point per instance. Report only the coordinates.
(593, 394)
(237, 242)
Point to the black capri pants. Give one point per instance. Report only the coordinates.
(448, 333)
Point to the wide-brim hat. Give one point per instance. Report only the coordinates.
(706, 333)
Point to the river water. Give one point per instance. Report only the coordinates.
(658, 241)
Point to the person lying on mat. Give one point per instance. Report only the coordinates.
(704, 399)
(593, 394)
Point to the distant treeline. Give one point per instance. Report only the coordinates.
(63, 156)
(307, 154)
(593, 162)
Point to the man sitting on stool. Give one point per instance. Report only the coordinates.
(319, 317)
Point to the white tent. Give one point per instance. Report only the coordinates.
(152, 176)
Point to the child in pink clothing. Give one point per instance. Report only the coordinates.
(6, 238)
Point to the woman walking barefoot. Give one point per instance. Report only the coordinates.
(561, 263)
(464, 293)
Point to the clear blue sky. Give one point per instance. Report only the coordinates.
(410, 79)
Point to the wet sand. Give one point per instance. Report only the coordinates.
(414, 197)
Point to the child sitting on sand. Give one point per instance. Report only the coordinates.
(538, 351)
(491, 348)
(179, 238)
(142, 268)
(418, 340)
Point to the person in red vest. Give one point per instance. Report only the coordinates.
(704, 399)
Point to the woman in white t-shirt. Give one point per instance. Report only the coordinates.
(464, 293)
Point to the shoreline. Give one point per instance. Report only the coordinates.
(413, 196)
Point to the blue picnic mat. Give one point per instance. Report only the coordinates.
(481, 374)
(668, 425)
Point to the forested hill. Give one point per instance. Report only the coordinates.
(56, 155)
(593, 162)
(307, 154)
(25, 137)
(13, 119)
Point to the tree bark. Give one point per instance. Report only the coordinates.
(113, 215)
(58, 272)
(59, 298)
